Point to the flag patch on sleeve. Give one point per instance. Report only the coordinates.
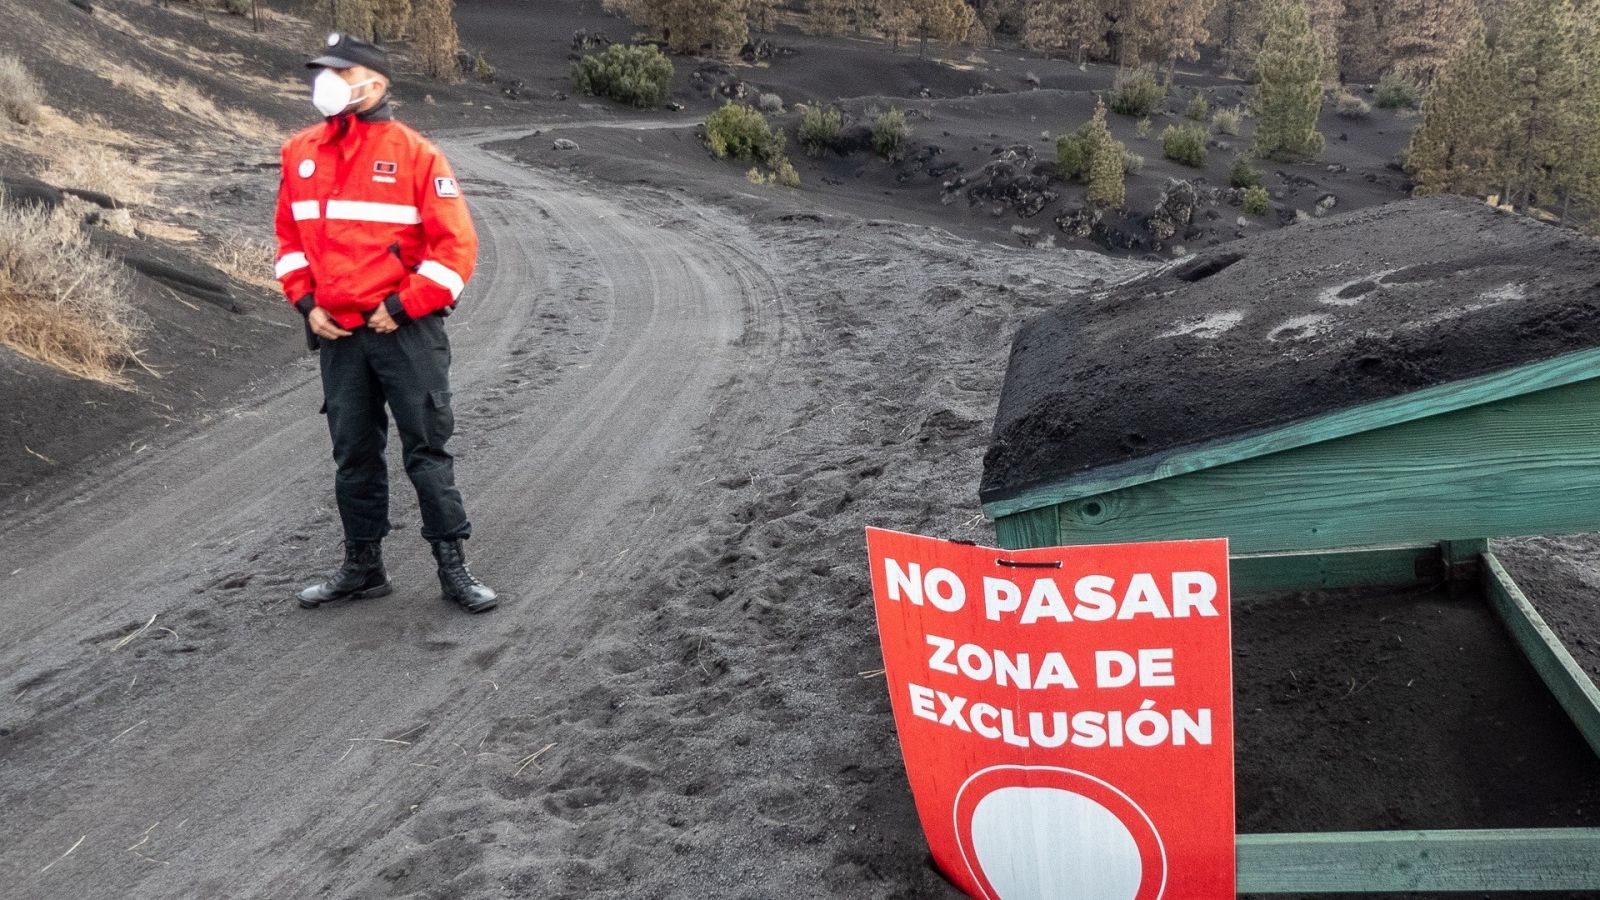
(446, 187)
(385, 168)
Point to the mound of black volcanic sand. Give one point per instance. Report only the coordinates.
(1286, 326)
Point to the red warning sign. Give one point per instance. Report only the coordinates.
(1066, 714)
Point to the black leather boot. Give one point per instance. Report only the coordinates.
(360, 576)
(457, 581)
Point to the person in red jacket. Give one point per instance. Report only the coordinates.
(375, 245)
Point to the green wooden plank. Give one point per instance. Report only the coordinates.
(1316, 570)
(1529, 465)
(1373, 862)
(1024, 530)
(1557, 371)
(1572, 687)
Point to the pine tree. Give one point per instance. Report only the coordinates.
(1074, 25)
(1178, 30)
(687, 26)
(1107, 187)
(761, 15)
(1326, 16)
(1236, 24)
(391, 19)
(433, 38)
(827, 17)
(349, 16)
(1362, 55)
(1289, 96)
(1422, 35)
(1452, 151)
(1545, 101)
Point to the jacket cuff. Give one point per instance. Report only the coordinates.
(396, 309)
(306, 304)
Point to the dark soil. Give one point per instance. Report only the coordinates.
(1285, 326)
(1376, 709)
(688, 631)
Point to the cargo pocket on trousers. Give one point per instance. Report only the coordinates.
(441, 419)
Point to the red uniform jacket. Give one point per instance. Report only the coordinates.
(368, 208)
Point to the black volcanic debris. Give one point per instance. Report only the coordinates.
(1287, 326)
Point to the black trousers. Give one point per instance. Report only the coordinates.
(409, 371)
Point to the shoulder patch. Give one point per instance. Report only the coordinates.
(446, 187)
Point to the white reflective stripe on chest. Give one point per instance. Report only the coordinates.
(291, 262)
(364, 211)
(305, 209)
(444, 276)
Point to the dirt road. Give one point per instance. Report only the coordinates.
(235, 746)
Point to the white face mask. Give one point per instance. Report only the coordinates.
(332, 95)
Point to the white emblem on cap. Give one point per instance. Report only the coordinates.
(333, 39)
(307, 167)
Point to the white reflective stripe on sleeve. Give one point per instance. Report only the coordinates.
(291, 262)
(305, 209)
(444, 276)
(363, 211)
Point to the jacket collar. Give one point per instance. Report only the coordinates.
(343, 123)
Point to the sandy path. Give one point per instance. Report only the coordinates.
(220, 757)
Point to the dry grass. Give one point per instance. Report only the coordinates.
(180, 96)
(20, 96)
(63, 303)
(98, 167)
(246, 260)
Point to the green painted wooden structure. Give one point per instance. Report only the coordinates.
(1401, 491)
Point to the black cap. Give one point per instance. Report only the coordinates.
(344, 52)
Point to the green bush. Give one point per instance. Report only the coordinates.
(1142, 129)
(1132, 163)
(785, 174)
(1074, 152)
(1185, 144)
(482, 69)
(889, 133)
(1137, 93)
(1228, 120)
(1244, 173)
(743, 133)
(1256, 201)
(819, 129)
(638, 76)
(1397, 91)
(1199, 108)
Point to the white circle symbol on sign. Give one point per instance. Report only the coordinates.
(1087, 853)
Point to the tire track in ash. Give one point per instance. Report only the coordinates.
(220, 757)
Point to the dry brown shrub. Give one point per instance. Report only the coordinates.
(245, 259)
(98, 167)
(20, 96)
(62, 302)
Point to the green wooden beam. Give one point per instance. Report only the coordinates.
(1034, 528)
(1375, 862)
(1313, 570)
(1555, 372)
(1528, 465)
(1572, 687)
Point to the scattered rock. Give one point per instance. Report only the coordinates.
(758, 49)
(1174, 210)
(564, 144)
(1325, 203)
(583, 41)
